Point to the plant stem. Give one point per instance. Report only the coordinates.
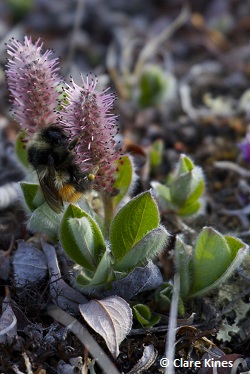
(108, 208)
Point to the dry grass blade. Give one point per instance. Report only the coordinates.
(85, 337)
(170, 343)
(151, 47)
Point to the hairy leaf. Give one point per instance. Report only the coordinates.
(132, 223)
(81, 238)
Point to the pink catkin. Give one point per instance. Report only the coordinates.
(86, 113)
(32, 80)
(87, 117)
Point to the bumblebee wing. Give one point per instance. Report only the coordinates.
(51, 194)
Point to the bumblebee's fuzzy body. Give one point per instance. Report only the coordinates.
(50, 153)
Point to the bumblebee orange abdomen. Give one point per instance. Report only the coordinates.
(69, 193)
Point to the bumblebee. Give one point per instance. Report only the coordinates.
(60, 178)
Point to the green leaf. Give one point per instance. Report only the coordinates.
(84, 277)
(187, 188)
(45, 221)
(211, 258)
(82, 232)
(123, 178)
(32, 195)
(144, 316)
(81, 238)
(132, 223)
(156, 153)
(197, 186)
(162, 193)
(163, 297)
(185, 165)
(189, 209)
(151, 244)
(155, 86)
(84, 205)
(102, 275)
(21, 150)
(234, 244)
(142, 313)
(238, 251)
